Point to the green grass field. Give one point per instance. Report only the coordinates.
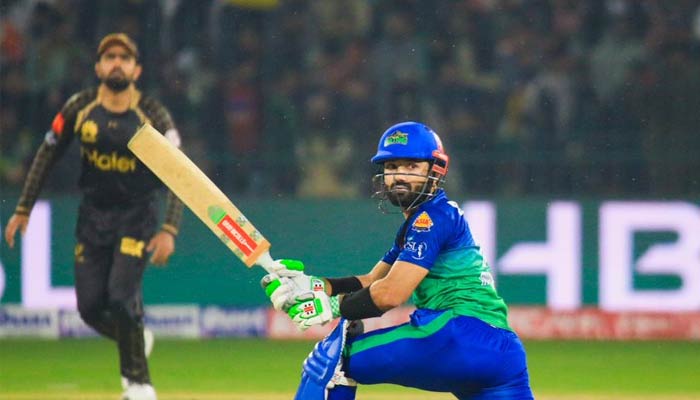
(255, 369)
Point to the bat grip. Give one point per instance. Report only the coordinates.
(267, 263)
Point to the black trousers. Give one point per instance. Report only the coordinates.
(110, 258)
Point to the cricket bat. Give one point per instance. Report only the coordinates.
(202, 196)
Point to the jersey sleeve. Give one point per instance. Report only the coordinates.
(56, 141)
(161, 119)
(392, 254)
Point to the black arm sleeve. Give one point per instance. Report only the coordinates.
(359, 305)
(344, 285)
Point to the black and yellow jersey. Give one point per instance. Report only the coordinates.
(110, 175)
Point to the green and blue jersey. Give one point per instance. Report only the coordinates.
(436, 236)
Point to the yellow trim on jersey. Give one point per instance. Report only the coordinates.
(83, 113)
(134, 100)
(135, 107)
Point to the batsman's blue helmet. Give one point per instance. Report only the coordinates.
(412, 140)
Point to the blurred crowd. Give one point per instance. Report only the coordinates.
(288, 97)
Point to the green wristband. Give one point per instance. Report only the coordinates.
(335, 306)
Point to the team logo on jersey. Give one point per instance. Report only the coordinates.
(397, 137)
(417, 250)
(423, 223)
(88, 132)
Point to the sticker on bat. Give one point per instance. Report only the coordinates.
(232, 230)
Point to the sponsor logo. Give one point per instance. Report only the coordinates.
(422, 222)
(109, 162)
(24, 318)
(317, 285)
(219, 321)
(70, 324)
(170, 321)
(173, 321)
(234, 232)
(132, 247)
(486, 279)
(397, 137)
(417, 249)
(16, 322)
(88, 131)
(308, 308)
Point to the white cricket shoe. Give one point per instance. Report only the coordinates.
(148, 341)
(139, 391)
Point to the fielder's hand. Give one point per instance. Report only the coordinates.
(317, 311)
(161, 246)
(291, 286)
(17, 221)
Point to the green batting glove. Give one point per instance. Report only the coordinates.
(290, 286)
(317, 311)
(303, 281)
(283, 292)
(288, 268)
(294, 269)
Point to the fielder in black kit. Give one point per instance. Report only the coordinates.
(117, 220)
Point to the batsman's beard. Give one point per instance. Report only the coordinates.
(402, 198)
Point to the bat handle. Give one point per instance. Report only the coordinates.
(265, 260)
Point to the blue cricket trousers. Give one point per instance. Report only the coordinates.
(442, 352)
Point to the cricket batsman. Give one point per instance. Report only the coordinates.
(458, 340)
